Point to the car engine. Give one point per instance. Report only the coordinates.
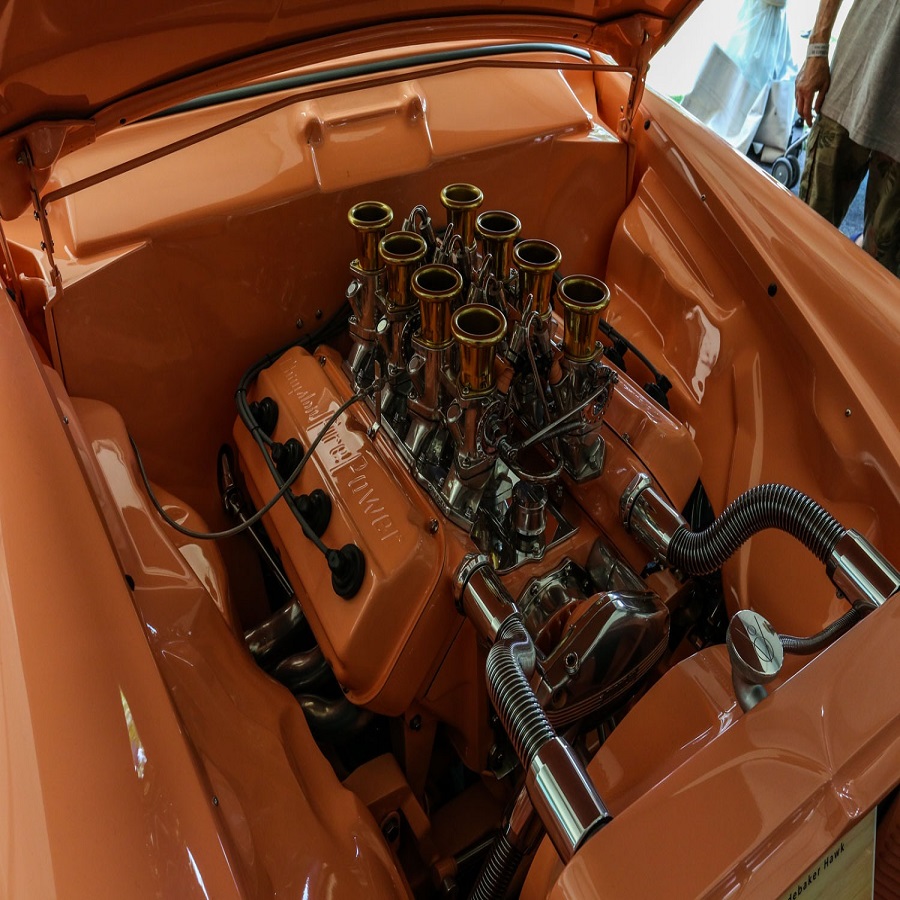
(466, 486)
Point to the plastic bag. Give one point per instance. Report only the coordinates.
(732, 92)
(761, 46)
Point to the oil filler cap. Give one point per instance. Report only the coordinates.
(753, 645)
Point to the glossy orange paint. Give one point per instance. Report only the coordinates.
(770, 326)
(788, 778)
(88, 723)
(64, 61)
(276, 818)
(403, 614)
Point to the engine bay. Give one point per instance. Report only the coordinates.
(498, 455)
(460, 431)
(448, 456)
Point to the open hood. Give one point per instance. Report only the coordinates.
(69, 60)
(88, 67)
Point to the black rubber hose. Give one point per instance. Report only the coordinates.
(804, 646)
(765, 506)
(510, 662)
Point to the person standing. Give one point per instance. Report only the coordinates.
(858, 126)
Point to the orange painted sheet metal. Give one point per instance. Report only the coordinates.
(283, 818)
(77, 58)
(323, 145)
(102, 791)
(662, 443)
(209, 292)
(765, 794)
(774, 357)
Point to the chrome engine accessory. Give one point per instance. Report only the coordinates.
(559, 788)
(477, 394)
(756, 656)
(857, 569)
(597, 638)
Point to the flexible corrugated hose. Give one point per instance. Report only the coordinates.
(766, 506)
(805, 646)
(510, 662)
(498, 870)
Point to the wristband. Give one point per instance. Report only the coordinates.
(817, 50)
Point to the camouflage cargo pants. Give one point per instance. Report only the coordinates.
(835, 168)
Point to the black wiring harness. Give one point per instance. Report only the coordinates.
(347, 564)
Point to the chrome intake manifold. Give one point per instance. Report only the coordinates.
(455, 337)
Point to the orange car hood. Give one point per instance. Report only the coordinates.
(66, 62)
(65, 59)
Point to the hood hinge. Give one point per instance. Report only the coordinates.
(40, 213)
(636, 91)
(26, 159)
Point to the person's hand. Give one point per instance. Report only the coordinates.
(812, 85)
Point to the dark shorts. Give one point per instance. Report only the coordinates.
(835, 168)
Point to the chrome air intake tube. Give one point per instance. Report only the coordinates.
(765, 506)
(855, 567)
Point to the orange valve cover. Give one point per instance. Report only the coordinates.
(375, 505)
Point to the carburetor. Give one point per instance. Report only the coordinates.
(459, 351)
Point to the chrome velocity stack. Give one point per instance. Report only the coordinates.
(583, 299)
